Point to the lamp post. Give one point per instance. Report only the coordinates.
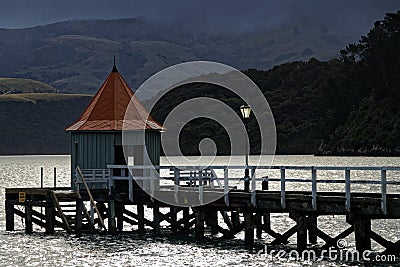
(246, 110)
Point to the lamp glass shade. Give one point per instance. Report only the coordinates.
(246, 110)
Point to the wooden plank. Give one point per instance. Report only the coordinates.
(91, 198)
(34, 220)
(61, 213)
(227, 220)
(380, 240)
(283, 239)
(332, 242)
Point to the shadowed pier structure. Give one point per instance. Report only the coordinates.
(114, 210)
(116, 186)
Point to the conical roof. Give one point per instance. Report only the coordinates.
(106, 111)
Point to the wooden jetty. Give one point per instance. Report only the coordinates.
(95, 201)
(113, 198)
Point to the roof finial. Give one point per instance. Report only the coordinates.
(115, 67)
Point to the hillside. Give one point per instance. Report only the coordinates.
(17, 86)
(35, 123)
(343, 106)
(75, 56)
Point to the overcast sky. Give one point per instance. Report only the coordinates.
(26, 13)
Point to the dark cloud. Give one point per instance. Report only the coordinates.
(206, 14)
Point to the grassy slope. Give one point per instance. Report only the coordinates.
(17, 85)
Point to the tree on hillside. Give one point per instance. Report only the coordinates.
(377, 55)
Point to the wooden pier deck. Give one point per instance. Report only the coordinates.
(240, 210)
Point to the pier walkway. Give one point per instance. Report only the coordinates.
(110, 200)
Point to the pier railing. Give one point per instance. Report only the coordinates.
(261, 178)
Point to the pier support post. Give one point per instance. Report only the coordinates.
(9, 215)
(102, 210)
(266, 217)
(78, 216)
(235, 219)
(50, 215)
(173, 212)
(259, 225)
(140, 211)
(120, 207)
(28, 218)
(267, 220)
(111, 217)
(312, 229)
(301, 228)
(212, 220)
(248, 230)
(185, 220)
(362, 232)
(156, 219)
(199, 229)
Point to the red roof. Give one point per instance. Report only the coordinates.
(106, 111)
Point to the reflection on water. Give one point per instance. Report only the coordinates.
(18, 249)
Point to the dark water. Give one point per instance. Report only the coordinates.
(18, 249)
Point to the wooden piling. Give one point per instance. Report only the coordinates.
(78, 216)
(301, 229)
(235, 219)
(9, 215)
(50, 215)
(199, 226)
(248, 230)
(103, 210)
(156, 219)
(55, 178)
(111, 217)
(41, 177)
(173, 217)
(266, 217)
(140, 212)
(120, 207)
(312, 227)
(259, 226)
(212, 220)
(185, 219)
(28, 218)
(362, 232)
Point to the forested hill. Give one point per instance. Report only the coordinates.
(373, 127)
(346, 106)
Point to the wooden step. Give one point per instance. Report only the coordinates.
(64, 205)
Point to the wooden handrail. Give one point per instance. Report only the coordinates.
(61, 213)
(91, 197)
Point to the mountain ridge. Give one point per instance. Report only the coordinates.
(75, 56)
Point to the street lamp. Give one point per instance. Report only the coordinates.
(246, 110)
